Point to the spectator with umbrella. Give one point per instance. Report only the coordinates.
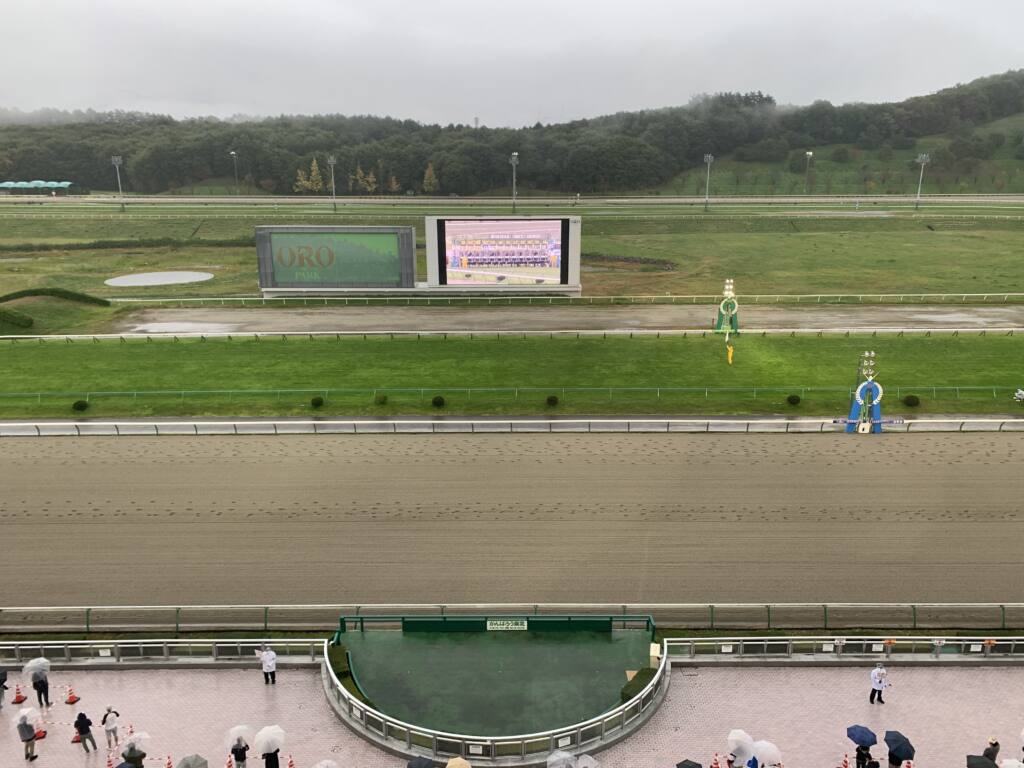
(864, 738)
(27, 731)
(38, 670)
(900, 748)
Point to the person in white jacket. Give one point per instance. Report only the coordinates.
(879, 683)
(109, 723)
(269, 661)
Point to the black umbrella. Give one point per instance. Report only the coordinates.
(688, 764)
(899, 745)
(980, 761)
(420, 762)
(861, 735)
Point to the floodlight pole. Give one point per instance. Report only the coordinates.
(708, 160)
(922, 160)
(115, 160)
(331, 160)
(234, 158)
(807, 170)
(513, 160)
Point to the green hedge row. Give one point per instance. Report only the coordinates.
(638, 683)
(59, 293)
(13, 317)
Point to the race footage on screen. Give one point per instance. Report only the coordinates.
(504, 252)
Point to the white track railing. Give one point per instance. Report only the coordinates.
(564, 333)
(832, 647)
(997, 297)
(175, 619)
(130, 428)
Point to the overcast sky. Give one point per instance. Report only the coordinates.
(508, 63)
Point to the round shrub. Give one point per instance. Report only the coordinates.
(552, 400)
(80, 405)
(911, 401)
(317, 402)
(438, 401)
(380, 399)
(793, 399)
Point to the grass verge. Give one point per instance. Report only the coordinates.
(487, 376)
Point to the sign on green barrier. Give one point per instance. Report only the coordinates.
(335, 258)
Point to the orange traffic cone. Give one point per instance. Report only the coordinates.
(715, 763)
(909, 764)
(846, 761)
(40, 734)
(77, 738)
(169, 763)
(291, 762)
(110, 761)
(18, 695)
(229, 763)
(131, 729)
(72, 698)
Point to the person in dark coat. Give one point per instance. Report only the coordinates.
(238, 752)
(270, 759)
(27, 734)
(133, 755)
(84, 727)
(41, 685)
(863, 755)
(992, 750)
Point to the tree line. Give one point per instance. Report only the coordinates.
(379, 156)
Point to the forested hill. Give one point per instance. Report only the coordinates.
(625, 151)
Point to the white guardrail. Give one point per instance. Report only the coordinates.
(562, 333)
(597, 301)
(484, 426)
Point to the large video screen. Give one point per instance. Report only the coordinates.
(503, 252)
(335, 257)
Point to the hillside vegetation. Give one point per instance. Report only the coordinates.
(865, 148)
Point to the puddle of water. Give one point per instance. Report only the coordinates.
(159, 278)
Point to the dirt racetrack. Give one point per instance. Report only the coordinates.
(555, 318)
(511, 518)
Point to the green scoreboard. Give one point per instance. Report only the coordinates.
(307, 259)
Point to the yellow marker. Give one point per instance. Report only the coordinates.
(728, 352)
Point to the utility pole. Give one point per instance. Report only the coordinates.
(234, 157)
(514, 161)
(807, 170)
(331, 160)
(708, 160)
(115, 160)
(922, 160)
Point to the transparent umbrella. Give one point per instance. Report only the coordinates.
(586, 761)
(326, 764)
(34, 668)
(268, 739)
(738, 736)
(560, 759)
(137, 739)
(458, 762)
(28, 714)
(193, 761)
(243, 732)
(767, 753)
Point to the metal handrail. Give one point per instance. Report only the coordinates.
(387, 720)
(324, 616)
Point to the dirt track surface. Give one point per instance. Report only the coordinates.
(651, 317)
(508, 518)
